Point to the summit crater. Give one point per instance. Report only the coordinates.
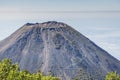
(49, 24)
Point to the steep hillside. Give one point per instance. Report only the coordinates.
(57, 49)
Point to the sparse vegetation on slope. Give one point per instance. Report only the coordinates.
(9, 71)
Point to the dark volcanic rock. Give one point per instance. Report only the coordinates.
(57, 49)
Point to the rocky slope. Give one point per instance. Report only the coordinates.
(57, 49)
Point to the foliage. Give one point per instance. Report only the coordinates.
(112, 76)
(9, 71)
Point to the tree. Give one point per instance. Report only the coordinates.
(9, 71)
(112, 76)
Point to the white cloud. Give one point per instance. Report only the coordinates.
(110, 35)
(9, 13)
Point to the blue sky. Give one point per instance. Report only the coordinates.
(99, 20)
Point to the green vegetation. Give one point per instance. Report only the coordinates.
(112, 76)
(9, 71)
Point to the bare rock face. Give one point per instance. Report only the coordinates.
(57, 49)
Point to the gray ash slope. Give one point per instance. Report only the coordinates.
(57, 49)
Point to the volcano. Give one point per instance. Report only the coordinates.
(57, 49)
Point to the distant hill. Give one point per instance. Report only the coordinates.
(57, 49)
